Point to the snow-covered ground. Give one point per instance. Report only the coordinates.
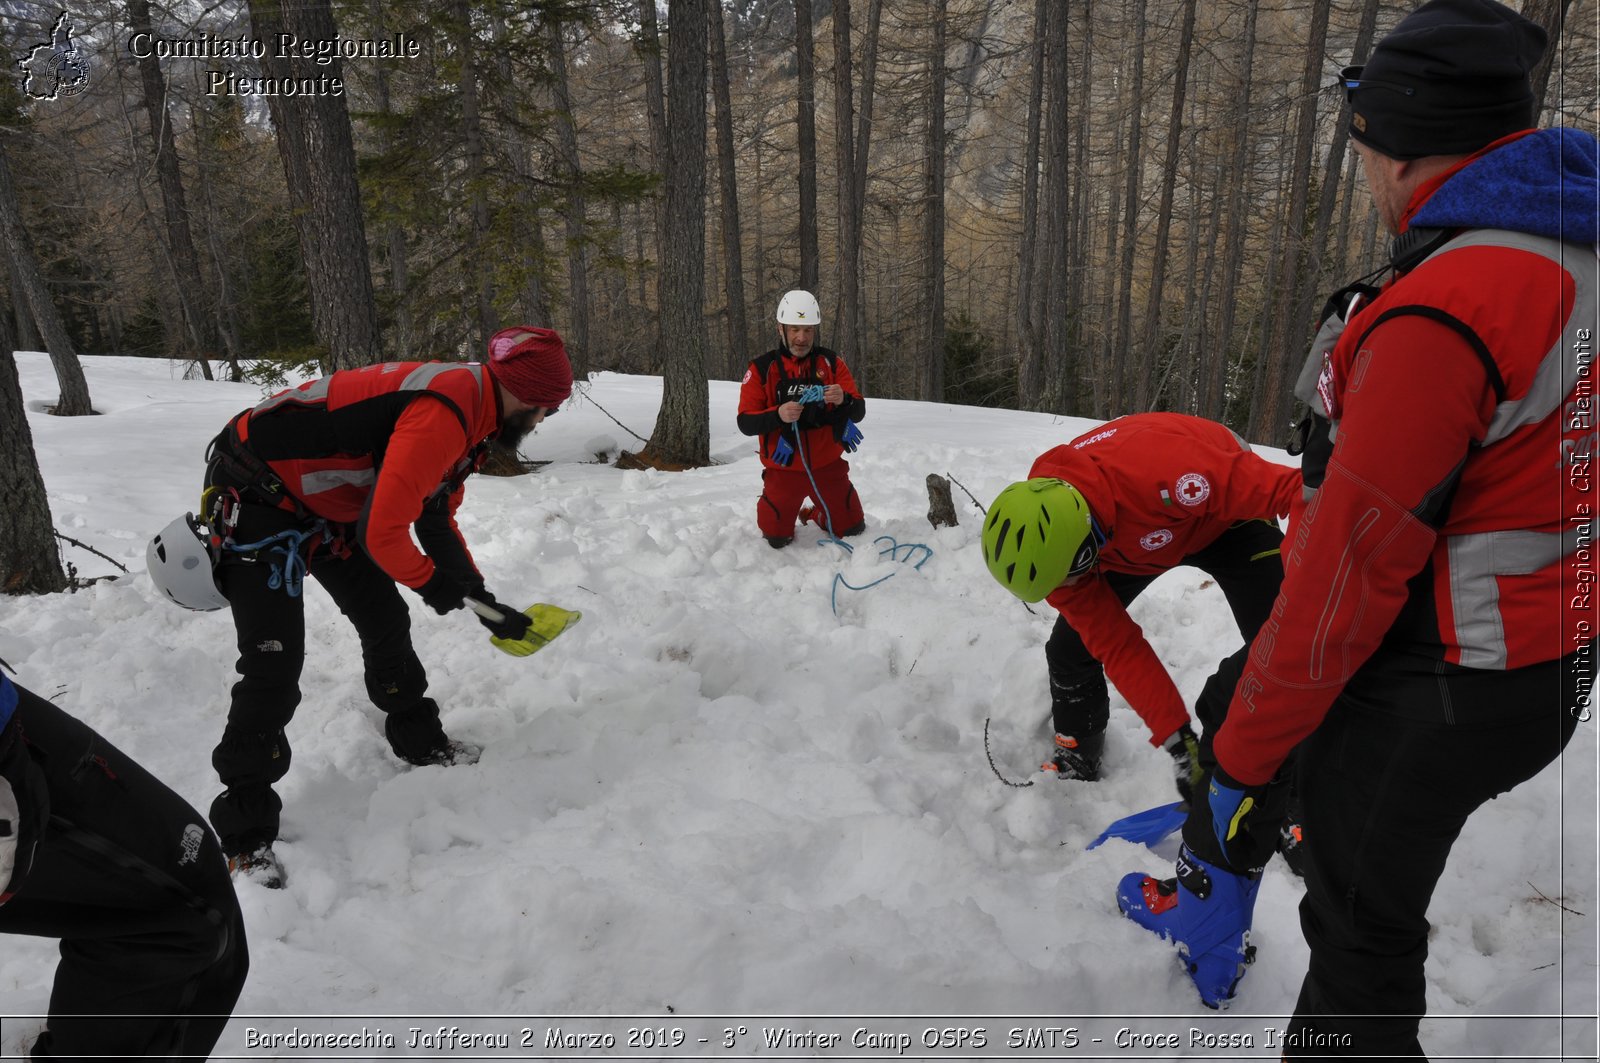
(715, 797)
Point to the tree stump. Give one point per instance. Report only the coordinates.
(941, 509)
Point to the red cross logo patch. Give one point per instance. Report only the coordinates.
(1192, 489)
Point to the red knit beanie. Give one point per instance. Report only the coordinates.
(532, 364)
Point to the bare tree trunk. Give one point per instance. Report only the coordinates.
(1311, 281)
(1030, 365)
(1216, 392)
(572, 174)
(1552, 15)
(806, 126)
(1269, 414)
(475, 252)
(394, 237)
(74, 400)
(1076, 279)
(199, 333)
(932, 389)
(660, 149)
(227, 313)
(1150, 340)
(29, 561)
(848, 337)
(732, 252)
(1121, 346)
(682, 435)
(1054, 348)
(319, 164)
(27, 338)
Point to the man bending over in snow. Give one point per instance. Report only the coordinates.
(331, 478)
(1100, 518)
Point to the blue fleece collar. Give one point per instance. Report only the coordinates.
(8, 700)
(1545, 183)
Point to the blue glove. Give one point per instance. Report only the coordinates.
(852, 437)
(810, 395)
(1235, 826)
(782, 453)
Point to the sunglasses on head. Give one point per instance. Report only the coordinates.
(1088, 554)
(1350, 80)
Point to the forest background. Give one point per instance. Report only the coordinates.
(1090, 208)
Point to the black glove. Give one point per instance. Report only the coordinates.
(445, 589)
(1235, 826)
(514, 623)
(1184, 749)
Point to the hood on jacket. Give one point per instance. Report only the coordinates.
(1544, 183)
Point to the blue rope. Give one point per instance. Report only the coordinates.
(800, 445)
(838, 578)
(289, 569)
(892, 551)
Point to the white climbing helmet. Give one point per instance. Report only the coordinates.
(799, 308)
(180, 566)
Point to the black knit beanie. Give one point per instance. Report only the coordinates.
(1451, 78)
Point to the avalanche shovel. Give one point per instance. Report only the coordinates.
(1147, 827)
(545, 622)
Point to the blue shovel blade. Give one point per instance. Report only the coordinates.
(1147, 827)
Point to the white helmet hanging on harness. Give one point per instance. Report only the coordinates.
(180, 566)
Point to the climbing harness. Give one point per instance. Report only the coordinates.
(282, 551)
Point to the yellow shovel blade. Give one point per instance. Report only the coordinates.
(545, 623)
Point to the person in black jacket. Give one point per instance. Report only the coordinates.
(96, 851)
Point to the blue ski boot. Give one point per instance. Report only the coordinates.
(1206, 911)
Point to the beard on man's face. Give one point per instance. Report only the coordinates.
(515, 428)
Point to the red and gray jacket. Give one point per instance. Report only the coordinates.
(383, 447)
(778, 377)
(1453, 483)
(1162, 486)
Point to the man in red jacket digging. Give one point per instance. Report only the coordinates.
(1096, 522)
(330, 479)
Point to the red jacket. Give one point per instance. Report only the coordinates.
(1162, 486)
(776, 378)
(371, 446)
(1457, 491)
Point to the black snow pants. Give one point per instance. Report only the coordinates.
(1410, 749)
(271, 627)
(136, 888)
(1247, 564)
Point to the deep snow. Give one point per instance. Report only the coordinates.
(713, 795)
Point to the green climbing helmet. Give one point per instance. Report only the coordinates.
(1038, 533)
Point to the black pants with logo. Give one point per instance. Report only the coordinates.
(271, 626)
(1410, 749)
(136, 888)
(1245, 561)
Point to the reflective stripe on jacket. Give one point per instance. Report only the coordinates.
(371, 446)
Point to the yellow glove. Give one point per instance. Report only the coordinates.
(545, 622)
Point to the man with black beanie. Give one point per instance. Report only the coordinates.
(1431, 647)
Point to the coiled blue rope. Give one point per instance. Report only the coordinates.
(892, 551)
(283, 554)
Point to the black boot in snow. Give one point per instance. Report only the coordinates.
(260, 866)
(1077, 758)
